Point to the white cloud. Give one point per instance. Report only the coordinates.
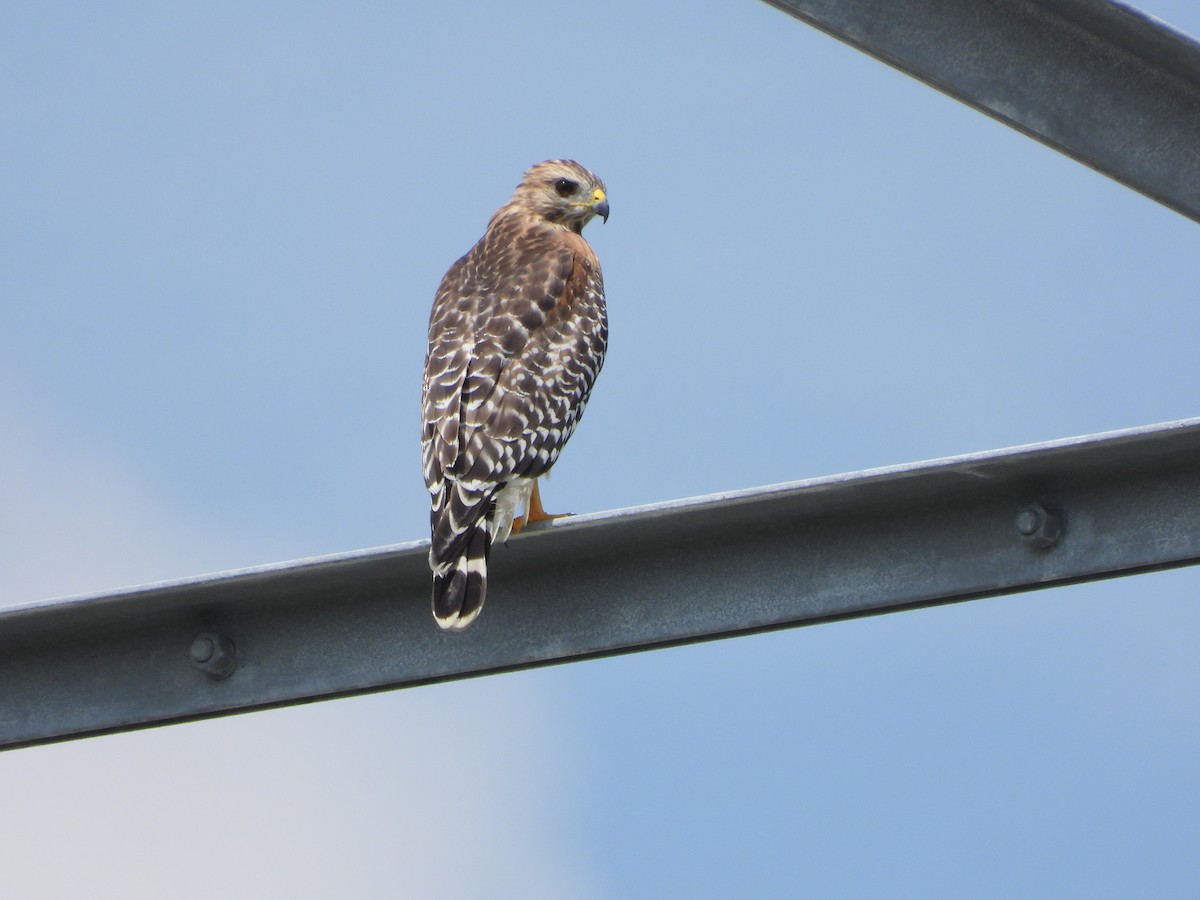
(73, 522)
(457, 790)
(448, 791)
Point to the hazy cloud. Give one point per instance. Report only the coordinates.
(450, 791)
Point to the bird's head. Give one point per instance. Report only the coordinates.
(562, 192)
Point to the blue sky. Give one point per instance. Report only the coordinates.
(223, 226)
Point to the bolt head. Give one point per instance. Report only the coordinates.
(1040, 528)
(1028, 521)
(214, 655)
(202, 649)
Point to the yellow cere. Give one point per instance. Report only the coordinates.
(597, 196)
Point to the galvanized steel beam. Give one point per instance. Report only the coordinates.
(793, 554)
(1103, 82)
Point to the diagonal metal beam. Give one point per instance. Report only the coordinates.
(793, 554)
(1103, 82)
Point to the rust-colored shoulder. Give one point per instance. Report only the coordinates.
(580, 247)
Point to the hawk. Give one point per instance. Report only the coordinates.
(517, 337)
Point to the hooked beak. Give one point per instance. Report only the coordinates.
(600, 204)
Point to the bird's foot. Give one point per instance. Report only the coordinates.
(534, 512)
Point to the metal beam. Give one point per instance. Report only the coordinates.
(728, 564)
(1103, 82)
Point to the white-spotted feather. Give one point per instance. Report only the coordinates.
(517, 336)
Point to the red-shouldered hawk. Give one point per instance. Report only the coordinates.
(517, 337)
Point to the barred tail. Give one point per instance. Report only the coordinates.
(460, 586)
(458, 553)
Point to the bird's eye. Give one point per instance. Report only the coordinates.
(565, 187)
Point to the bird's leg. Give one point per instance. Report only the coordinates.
(534, 511)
